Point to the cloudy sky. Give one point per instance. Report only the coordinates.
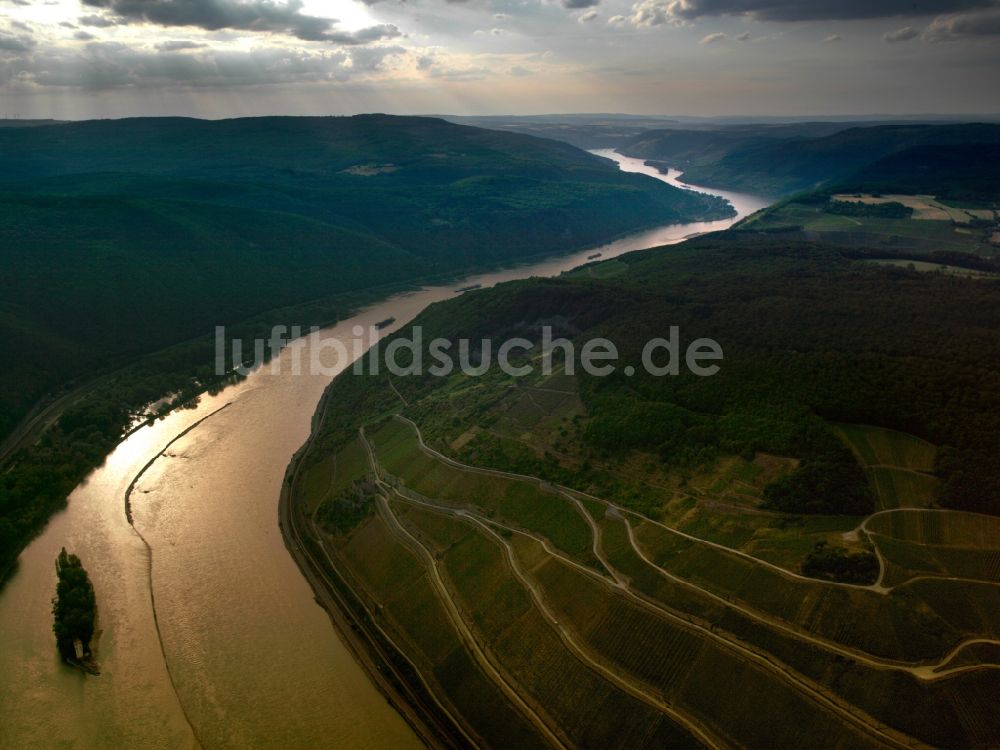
(219, 58)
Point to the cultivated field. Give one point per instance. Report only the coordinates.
(542, 614)
(933, 227)
(899, 466)
(925, 207)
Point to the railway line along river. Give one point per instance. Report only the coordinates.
(238, 653)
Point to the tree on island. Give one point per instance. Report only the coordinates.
(73, 608)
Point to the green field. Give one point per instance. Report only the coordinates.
(328, 476)
(922, 265)
(810, 220)
(882, 625)
(878, 446)
(899, 465)
(685, 665)
(399, 588)
(703, 604)
(903, 488)
(521, 503)
(943, 544)
(530, 649)
(951, 529)
(693, 619)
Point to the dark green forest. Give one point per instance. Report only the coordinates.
(893, 210)
(962, 173)
(163, 228)
(350, 507)
(811, 336)
(837, 564)
(784, 160)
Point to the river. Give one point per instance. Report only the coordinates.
(238, 653)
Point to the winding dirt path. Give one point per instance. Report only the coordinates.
(923, 671)
(804, 685)
(458, 622)
(495, 673)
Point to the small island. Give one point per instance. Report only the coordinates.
(74, 610)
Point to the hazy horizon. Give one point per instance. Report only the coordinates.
(731, 118)
(83, 59)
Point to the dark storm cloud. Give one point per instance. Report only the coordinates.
(363, 36)
(813, 10)
(11, 43)
(965, 26)
(179, 44)
(256, 15)
(101, 22)
(904, 34)
(107, 66)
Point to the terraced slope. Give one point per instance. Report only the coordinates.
(609, 553)
(639, 629)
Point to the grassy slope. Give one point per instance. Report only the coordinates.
(959, 173)
(657, 653)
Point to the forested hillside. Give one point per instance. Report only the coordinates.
(119, 238)
(776, 163)
(961, 173)
(448, 193)
(163, 228)
(811, 337)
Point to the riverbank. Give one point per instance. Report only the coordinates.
(396, 678)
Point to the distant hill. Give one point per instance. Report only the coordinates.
(124, 236)
(584, 131)
(688, 148)
(781, 163)
(962, 173)
(449, 193)
(16, 122)
(609, 130)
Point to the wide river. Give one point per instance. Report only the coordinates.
(215, 639)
